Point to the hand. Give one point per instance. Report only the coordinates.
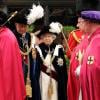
(77, 71)
(33, 53)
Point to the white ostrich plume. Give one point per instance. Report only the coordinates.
(36, 12)
(55, 27)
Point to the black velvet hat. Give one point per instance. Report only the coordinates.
(44, 30)
(21, 17)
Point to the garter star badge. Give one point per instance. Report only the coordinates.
(90, 60)
(60, 62)
(79, 56)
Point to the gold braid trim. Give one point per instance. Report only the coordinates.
(75, 37)
(50, 89)
(28, 81)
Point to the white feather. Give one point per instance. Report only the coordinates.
(33, 41)
(36, 12)
(55, 27)
(33, 6)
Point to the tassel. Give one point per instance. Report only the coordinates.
(50, 89)
(28, 89)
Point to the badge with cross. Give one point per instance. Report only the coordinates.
(60, 62)
(79, 56)
(90, 60)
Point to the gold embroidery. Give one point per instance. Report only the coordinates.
(75, 37)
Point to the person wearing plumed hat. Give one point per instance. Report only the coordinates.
(89, 72)
(23, 38)
(51, 62)
(12, 85)
(73, 86)
(24, 18)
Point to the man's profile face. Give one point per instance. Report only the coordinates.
(81, 24)
(21, 28)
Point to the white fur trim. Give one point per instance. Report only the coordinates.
(40, 52)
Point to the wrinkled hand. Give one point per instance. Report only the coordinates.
(33, 53)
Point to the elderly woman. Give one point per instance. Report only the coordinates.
(51, 65)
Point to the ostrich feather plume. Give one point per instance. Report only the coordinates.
(36, 12)
(55, 27)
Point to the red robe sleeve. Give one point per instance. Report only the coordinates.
(73, 40)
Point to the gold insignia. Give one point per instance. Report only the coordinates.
(60, 62)
(90, 60)
(79, 56)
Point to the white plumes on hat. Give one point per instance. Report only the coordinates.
(55, 27)
(36, 12)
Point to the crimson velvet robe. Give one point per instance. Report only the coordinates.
(11, 76)
(73, 87)
(90, 70)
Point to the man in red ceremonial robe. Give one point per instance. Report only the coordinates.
(11, 76)
(90, 67)
(73, 88)
(74, 39)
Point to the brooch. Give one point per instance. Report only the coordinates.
(90, 60)
(60, 62)
(79, 56)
